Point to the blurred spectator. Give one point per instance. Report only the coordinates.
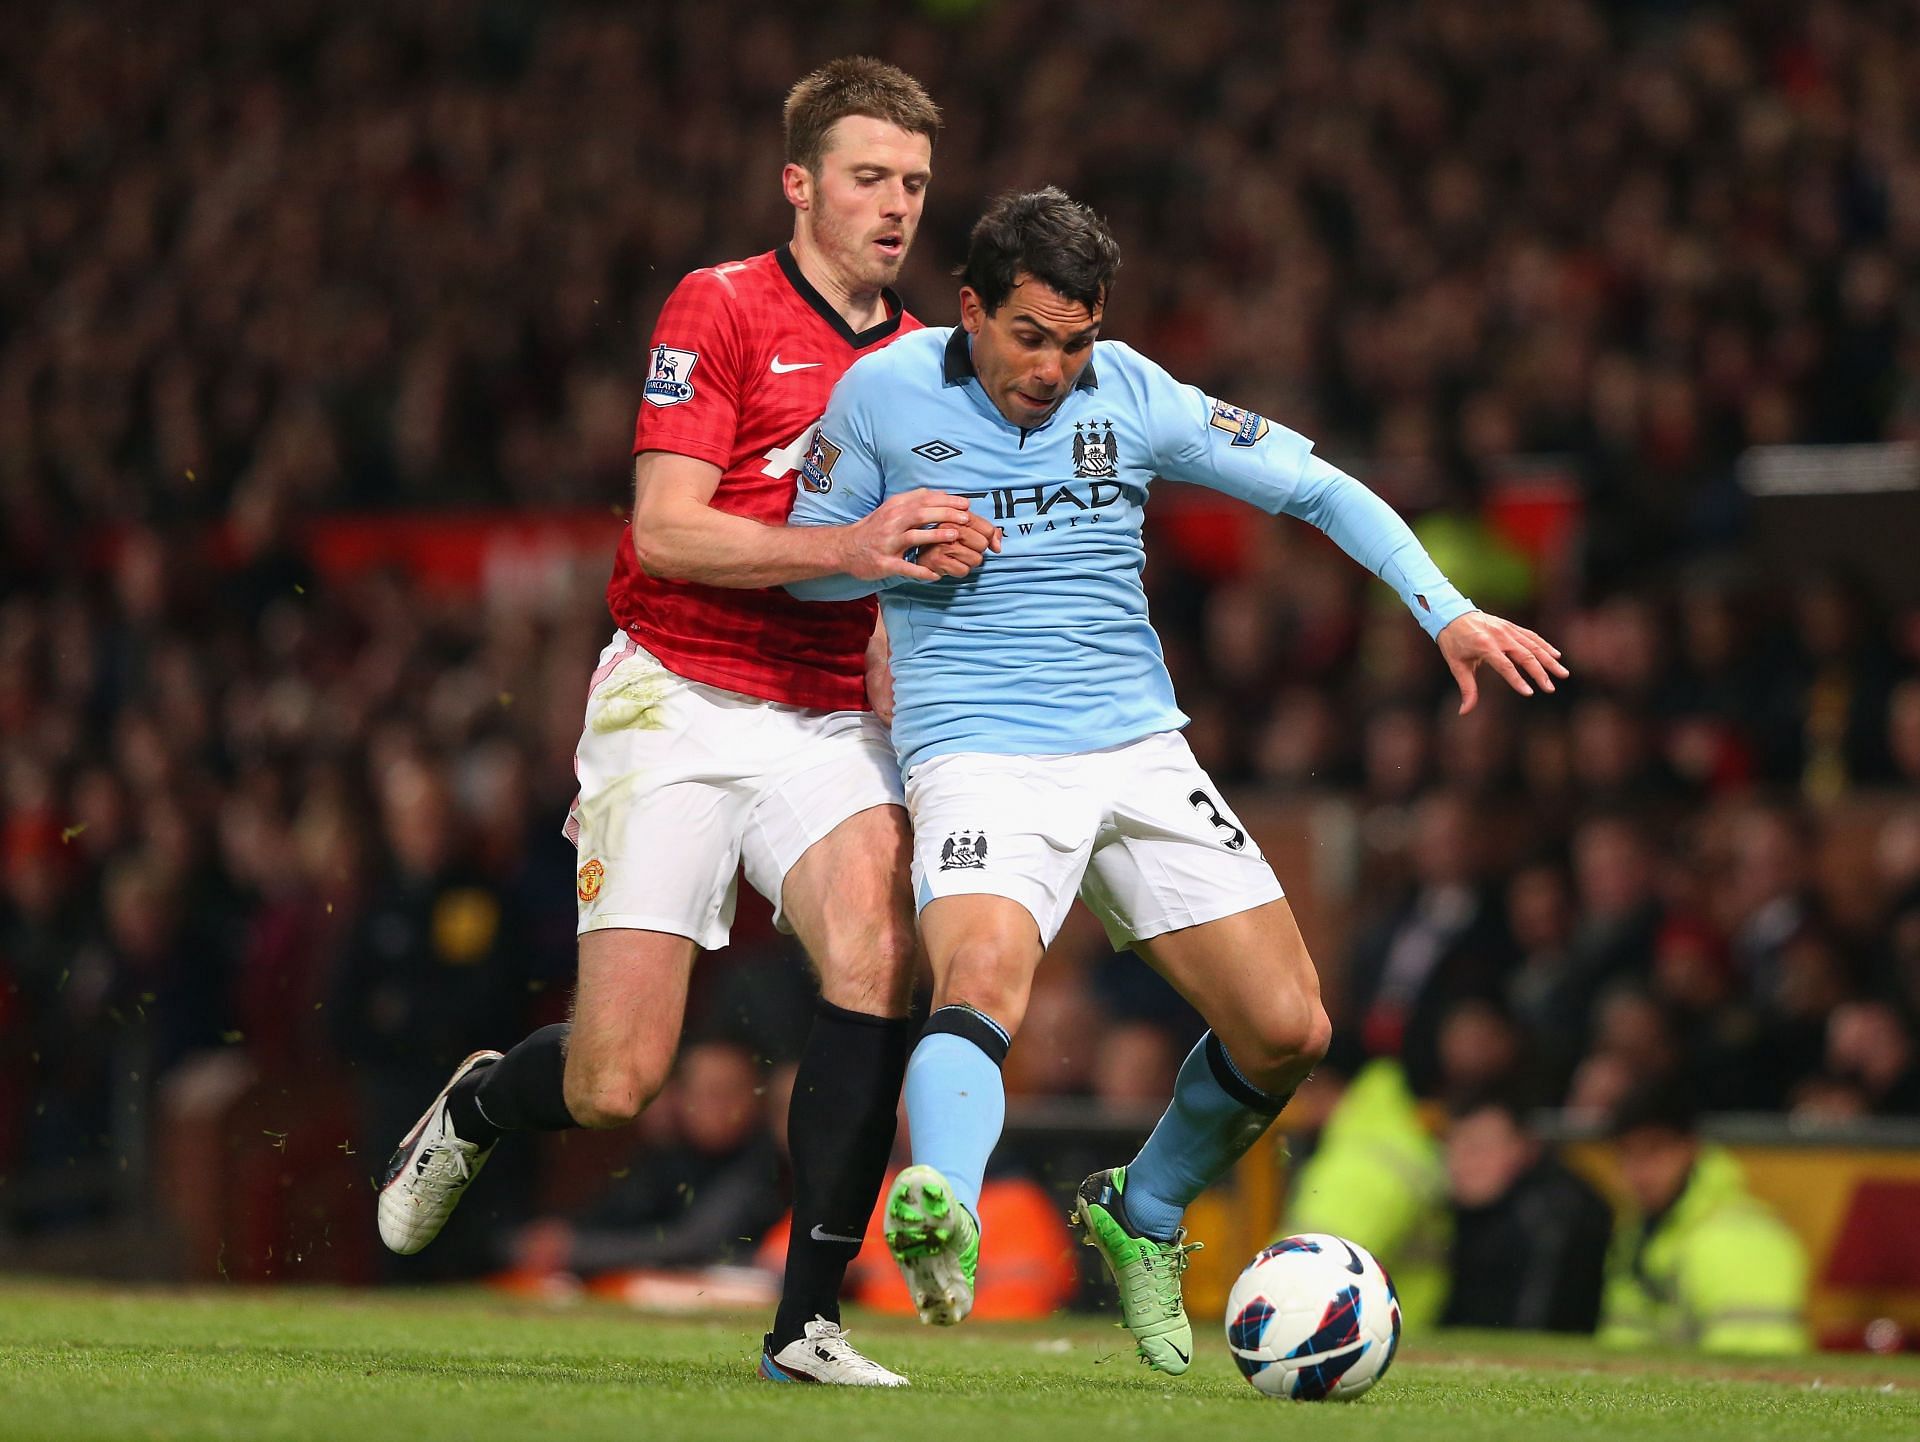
(1630, 1024)
(1542, 991)
(1765, 903)
(704, 1198)
(1720, 1033)
(1837, 682)
(1697, 1261)
(1872, 1067)
(1480, 1047)
(1443, 942)
(1529, 1237)
(431, 964)
(1597, 1087)
(1614, 871)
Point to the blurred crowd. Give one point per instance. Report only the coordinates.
(319, 256)
(262, 263)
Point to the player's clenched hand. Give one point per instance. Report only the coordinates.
(875, 548)
(1514, 653)
(959, 556)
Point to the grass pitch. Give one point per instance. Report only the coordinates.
(78, 1363)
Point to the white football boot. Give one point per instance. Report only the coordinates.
(430, 1172)
(825, 1355)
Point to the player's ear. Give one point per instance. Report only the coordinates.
(796, 181)
(973, 315)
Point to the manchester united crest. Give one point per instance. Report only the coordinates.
(591, 875)
(1095, 456)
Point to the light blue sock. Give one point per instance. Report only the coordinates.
(956, 1106)
(1216, 1114)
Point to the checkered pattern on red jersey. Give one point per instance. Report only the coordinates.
(743, 358)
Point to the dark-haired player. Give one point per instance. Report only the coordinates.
(1041, 744)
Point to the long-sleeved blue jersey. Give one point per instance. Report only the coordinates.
(1046, 648)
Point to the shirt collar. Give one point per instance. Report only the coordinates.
(859, 340)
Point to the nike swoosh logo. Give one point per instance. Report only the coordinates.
(1178, 1353)
(781, 369)
(819, 1233)
(1353, 1262)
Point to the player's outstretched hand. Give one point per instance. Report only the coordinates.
(875, 548)
(1510, 650)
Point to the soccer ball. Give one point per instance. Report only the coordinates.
(1313, 1317)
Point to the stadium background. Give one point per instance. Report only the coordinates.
(320, 336)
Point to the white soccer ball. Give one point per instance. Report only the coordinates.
(1313, 1317)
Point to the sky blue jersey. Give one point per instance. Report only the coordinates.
(1046, 648)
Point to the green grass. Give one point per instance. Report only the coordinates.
(344, 1367)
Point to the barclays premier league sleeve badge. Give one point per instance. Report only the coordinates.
(816, 471)
(1244, 426)
(669, 376)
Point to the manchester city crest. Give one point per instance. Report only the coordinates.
(964, 851)
(1094, 454)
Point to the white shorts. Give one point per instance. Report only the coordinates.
(1137, 831)
(681, 782)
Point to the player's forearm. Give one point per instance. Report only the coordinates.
(694, 542)
(1371, 531)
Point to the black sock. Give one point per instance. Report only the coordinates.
(840, 1132)
(525, 1091)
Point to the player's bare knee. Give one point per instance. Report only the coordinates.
(1286, 1042)
(984, 977)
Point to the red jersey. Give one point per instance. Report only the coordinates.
(744, 357)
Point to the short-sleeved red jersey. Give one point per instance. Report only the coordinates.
(744, 357)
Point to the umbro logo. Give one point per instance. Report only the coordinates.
(781, 368)
(937, 451)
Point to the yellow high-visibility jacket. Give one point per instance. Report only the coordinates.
(1719, 1271)
(1377, 1177)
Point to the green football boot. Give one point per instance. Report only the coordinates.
(936, 1243)
(1146, 1271)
